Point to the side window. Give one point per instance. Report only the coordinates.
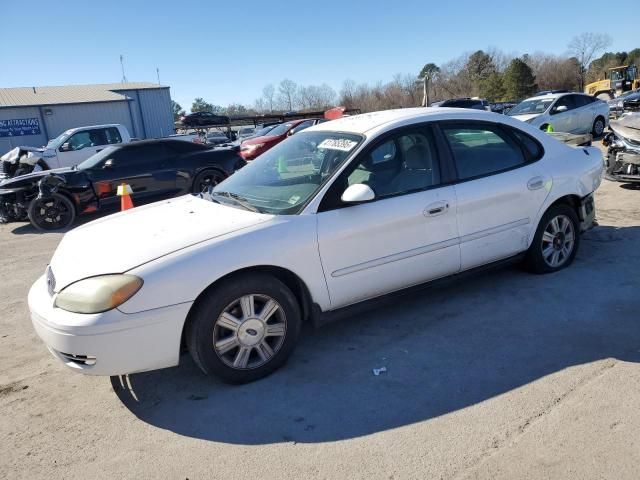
(405, 163)
(531, 147)
(581, 100)
(566, 101)
(79, 140)
(140, 155)
(112, 135)
(480, 150)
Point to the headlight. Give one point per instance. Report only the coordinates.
(252, 147)
(620, 104)
(98, 294)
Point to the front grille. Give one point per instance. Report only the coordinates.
(87, 360)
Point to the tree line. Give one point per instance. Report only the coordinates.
(491, 74)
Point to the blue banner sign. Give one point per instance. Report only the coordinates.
(19, 127)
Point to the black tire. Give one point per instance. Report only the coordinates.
(52, 213)
(598, 127)
(535, 260)
(206, 178)
(203, 329)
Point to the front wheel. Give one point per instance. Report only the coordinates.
(598, 127)
(245, 328)
(51, 213)
(556, 241)
(205, 180)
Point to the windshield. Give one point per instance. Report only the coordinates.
(533, 106)
(94, 160)
(281, 129)
(284, 178)
(56, 142)
(246, 131)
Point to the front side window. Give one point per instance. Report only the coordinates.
(481, 150)
(566, 101)
(402, 164)
(285, 177)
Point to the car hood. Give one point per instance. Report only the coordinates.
(117, 243)
(33, 177)
(526, 117)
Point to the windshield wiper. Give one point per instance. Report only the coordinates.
(238, 200)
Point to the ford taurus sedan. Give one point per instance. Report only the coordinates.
(564, 112)
(339, 214)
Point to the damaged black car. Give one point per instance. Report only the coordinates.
(623, 154)
(154, 169)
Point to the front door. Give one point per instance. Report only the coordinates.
(500, 189)
(564, 120)
(406, 236)
(144, 167)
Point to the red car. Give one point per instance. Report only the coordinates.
(253, 147)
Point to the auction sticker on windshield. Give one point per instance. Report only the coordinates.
(342, 144)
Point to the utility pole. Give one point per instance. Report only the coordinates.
(158, 74)
(124, 77)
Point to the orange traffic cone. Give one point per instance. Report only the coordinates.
(124, 192)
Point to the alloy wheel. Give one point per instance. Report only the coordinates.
(51, 213)
(249, 332)
(558, 241)
(598, 127)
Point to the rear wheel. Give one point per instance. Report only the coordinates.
(52, 213)
(598, 127)
(206, 179)
(244, 328)
(556, 241)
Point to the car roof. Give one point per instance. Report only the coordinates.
(553, 96)
(371, 123)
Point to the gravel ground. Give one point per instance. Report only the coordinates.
(503, 375)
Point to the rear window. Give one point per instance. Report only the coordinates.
(533, 150)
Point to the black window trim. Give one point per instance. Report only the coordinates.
(446, 177)
(502, 128)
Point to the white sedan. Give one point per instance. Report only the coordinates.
(341, 213)
(564, 112)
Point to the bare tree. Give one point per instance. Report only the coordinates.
(584, 48)
(268, 92)
(260, 105)
(287, 93)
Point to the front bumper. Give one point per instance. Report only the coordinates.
(109, 343)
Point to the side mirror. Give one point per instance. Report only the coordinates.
(560, 109)
(108, 164)
(358, 193)
(65, 147)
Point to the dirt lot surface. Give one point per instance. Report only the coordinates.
(504, 375)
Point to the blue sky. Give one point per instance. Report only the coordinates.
(227, 51)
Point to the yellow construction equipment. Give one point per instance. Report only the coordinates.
(617, 80)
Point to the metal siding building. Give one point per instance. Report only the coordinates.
(144, 108)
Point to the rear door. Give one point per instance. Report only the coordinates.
(499, 191)
(406, 236)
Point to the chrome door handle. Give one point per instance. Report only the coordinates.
(435, 209)
(535, 183)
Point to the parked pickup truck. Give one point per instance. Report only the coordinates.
(77, 144)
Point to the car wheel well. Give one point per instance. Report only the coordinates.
(68, 196)
(571, 200)
(290, 279)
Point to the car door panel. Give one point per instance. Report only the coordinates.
(406, 236)
(495, 214)
(376, 248)
(500, 193)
